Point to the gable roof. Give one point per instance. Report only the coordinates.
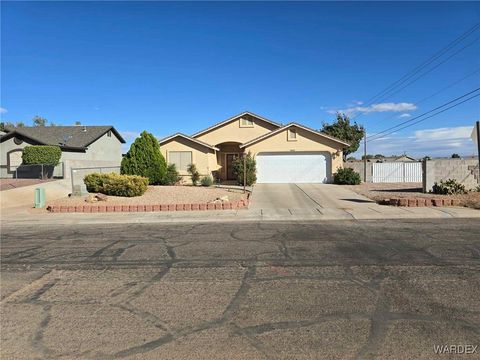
(164, 140)
(271, 133)
(234, 118)
(68, 137)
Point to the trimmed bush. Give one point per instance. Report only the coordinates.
(448, 187)
(346, 176)
(94, 182)
(116, 185)
(145, 159)
(207, 181)
(251, 169)
(195, 175)
(41, 154)
(172, 176)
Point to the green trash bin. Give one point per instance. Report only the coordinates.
(39, 198)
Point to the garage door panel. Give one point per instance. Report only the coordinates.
(292, 168)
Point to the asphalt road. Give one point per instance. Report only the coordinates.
(329, 290)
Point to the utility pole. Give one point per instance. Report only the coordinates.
(478, 149)
(365, 156)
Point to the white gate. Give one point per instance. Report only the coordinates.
(392, 172)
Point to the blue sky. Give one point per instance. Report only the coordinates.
(168, 67)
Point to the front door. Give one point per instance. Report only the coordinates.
(230, 159)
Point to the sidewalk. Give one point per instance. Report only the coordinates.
(37, 216)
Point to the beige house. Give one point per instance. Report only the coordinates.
(290, 153)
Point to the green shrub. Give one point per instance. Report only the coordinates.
(116, 184)
(94, 182)
(251, 169)
(172, 176)
(195, 175)
(448, 187)
(41, 154)
(346, 176)
(207, 181)
(145, 159)
(477, 189)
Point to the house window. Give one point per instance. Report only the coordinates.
(109, 133)
(181, 159)
(245, 122)
(292, 135)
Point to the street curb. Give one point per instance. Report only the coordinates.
(229, 205)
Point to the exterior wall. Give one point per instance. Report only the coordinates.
(464, 171)
(105, 152)
(203, 157)
(233, 132)
(306, 142)
(6, 147)
(358, 167)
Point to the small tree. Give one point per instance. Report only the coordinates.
(39, 121)
(251, 169)
(195, 175)
(455, 156)
(145, 159)
(343, 130)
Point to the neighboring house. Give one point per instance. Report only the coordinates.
(290, 153)
(401, 158)
(82, 146)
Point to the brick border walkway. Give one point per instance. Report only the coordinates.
(231, 205)
(422, 201)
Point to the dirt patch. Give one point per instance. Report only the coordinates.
(382, 191)
(163, 195)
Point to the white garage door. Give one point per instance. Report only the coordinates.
(284, 168)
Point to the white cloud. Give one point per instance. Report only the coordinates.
(405, 115)
(3, 110)
(419, 143)
(448, 133)
(380, 107)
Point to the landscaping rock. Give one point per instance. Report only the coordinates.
(101, 197)
(91, 198)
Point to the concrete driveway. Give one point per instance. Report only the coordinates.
(313, 199)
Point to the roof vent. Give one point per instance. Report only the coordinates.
(84, 129)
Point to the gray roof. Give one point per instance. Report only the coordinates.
(66, 136)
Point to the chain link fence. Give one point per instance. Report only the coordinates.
(77, 175)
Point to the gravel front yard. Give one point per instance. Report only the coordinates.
(382, 191)
(156, 195)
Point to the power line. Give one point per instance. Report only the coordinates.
(430, 70)
(419, 68)
(437, 92)
(385, 132)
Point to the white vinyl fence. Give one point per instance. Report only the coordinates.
(393, 172)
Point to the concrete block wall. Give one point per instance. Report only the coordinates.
(464, 171)
(358, 167)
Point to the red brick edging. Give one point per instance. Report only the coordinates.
(230, 205)
(423, 201)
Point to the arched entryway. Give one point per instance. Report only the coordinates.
(228, 152)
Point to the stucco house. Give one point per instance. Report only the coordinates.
(291, 153)
(82, 146)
